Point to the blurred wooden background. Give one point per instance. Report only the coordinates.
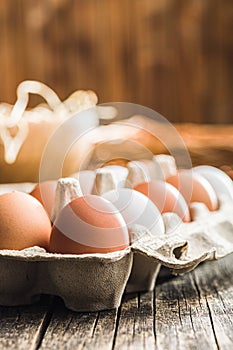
(174, 56)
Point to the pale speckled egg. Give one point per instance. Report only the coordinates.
(44, 192)
(23, 222)
(195, 188)
(89, 224)
(166, 197)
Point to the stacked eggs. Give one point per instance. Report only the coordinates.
(97, 211)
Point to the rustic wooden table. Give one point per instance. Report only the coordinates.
(193, 311)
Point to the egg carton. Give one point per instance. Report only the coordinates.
(94, 282)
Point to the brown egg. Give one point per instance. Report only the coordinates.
(194, 188)
(45, 193)
(89, 224)
(23, 222)
(166, 197)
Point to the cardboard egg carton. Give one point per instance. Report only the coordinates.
(93, 282)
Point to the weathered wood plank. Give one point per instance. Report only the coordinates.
(182, 320)
(129, 328)
(216, 287)
(136, 323)
(72, 330)
(23, 327)
(194, 311)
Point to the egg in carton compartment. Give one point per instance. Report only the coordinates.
(94, 282)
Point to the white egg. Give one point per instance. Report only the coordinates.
(136, 208)
(220, 181)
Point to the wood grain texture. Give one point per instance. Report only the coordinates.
(195, 311)
(173, 56)
(135, 326)
(23, 327)
(71, 330)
